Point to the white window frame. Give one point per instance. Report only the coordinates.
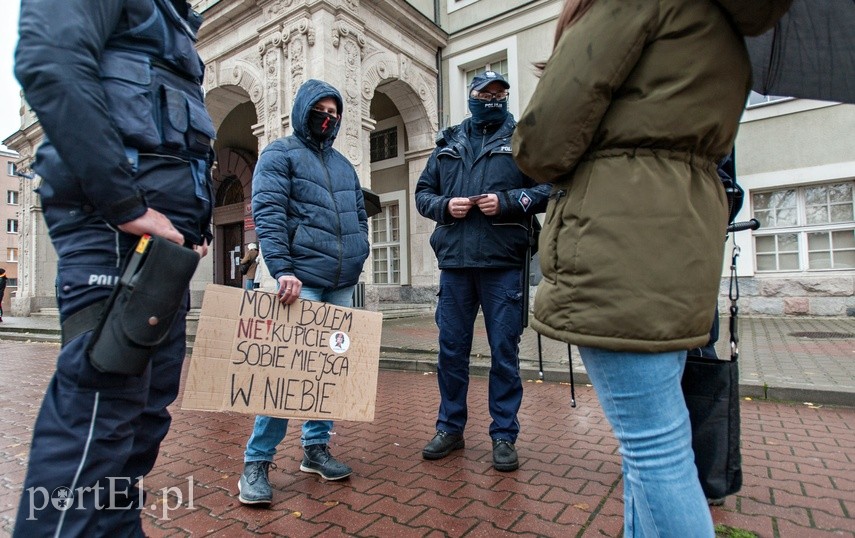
(12, 255)
(399, 197)
(454, 5)
(458, 66)
(801, 230)
(11, 169)
(12, 226)
(398, 123)
(13, 197)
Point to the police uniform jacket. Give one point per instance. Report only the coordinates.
(629, 125)
(307, 203)
(455, 170)
(111, 81)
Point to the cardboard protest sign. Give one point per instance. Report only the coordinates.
(307, 360)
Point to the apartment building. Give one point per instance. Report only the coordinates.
(10, 216)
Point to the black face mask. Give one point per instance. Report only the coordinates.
(322, 125)
(488, 112)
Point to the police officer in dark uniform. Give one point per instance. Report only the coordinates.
(484, 209)
(127, 151)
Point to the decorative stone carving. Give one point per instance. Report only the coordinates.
(404, 69)
(305, 26)
(297, 56)
(244, 74)
(273, 39)
(277, 8)
(341, 30)
(211, 76)
(272, 87)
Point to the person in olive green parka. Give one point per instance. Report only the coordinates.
(637, 104)
(629, 126)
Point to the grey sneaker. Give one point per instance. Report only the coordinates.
(254, 487)
(317, 459)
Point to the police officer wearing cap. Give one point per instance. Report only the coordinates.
(484, 209)
(117, 87)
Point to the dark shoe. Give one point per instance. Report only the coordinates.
(504, 456)
(254, 487)
(317, 459)
(442, 444)
(716, 502)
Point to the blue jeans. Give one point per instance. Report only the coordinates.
(641, 397)
(249, 284)
(269, 431)
(499, 294)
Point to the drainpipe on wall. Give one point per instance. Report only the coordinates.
(439, 111)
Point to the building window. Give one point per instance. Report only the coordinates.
(12, 197)
(12, 226)
(11, 255)
(454, 5)
(808, 228)
(384, 144)
(498, 55)
(11, 169)
(386, 244)
(500, 66)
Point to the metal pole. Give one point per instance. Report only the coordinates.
(572, 384)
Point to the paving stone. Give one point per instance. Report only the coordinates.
(798, 459)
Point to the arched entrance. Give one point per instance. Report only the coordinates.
(233, 226)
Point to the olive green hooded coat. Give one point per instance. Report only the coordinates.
(637, 104)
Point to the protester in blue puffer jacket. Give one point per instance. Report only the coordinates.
(311, 222)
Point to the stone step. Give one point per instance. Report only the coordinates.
(403, 310)
(46, 313)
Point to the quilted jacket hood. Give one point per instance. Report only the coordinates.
(310, 93)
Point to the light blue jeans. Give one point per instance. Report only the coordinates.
(269, 431)
(641, 397)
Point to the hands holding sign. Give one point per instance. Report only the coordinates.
(289, 289)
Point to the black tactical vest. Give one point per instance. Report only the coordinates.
(152, 76)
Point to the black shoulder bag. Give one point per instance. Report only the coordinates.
(711, 385)
(711, 389)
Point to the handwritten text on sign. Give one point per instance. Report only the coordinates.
(305, 360)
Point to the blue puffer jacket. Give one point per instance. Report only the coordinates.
(479, 241)
(307, 203)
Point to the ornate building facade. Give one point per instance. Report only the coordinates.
(403, 68)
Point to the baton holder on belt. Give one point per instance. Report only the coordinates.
(143, 306)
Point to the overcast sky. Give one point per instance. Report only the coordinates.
(9, 88)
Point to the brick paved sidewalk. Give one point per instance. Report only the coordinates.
(799, 466)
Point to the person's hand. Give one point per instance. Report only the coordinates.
(202, 250)
(289, 289)
(459, 207)
(489, 205)
(153, 222)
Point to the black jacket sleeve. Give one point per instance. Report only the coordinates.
(56, 62)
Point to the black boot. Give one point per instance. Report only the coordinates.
(442, 444)
(504, 456)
